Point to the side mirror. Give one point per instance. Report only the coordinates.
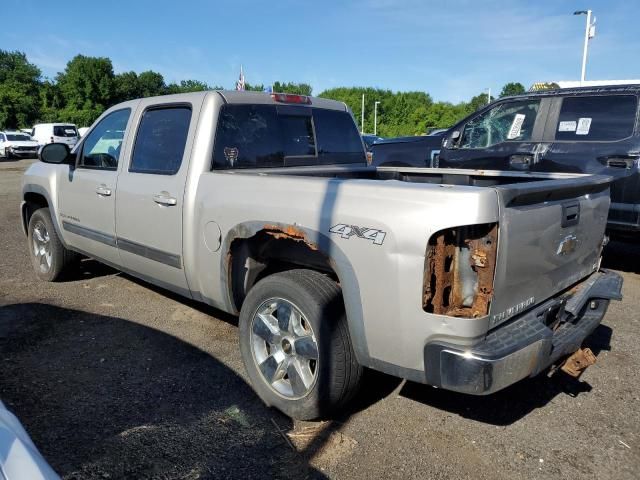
(452, 140)
(55, 153)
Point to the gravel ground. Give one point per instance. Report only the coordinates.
(114, 378)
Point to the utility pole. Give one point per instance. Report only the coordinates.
(362, 119)
(589, 32)
(375, 118)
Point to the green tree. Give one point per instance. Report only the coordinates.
(126, 87)
(189, 86)
(479, 101)
(51, 101)
(258, 87)
(399, 114)
(19, 84)
(87, 87)
(512, 88)
(151, 84)
(291, 87)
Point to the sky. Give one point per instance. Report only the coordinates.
(452, 49)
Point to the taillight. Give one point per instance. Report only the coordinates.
(291, 98)
(459, 268)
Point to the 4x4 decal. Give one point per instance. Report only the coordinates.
(348, 231)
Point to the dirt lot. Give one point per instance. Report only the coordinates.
(114, 378)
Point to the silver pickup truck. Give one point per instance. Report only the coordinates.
(263, 205)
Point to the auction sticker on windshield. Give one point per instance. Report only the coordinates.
(584, 124)
(516, 126)
(567, 126)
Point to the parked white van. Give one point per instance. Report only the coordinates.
(44, 133)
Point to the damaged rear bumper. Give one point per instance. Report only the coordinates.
(527, 345)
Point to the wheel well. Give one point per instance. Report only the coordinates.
(270, 251)
(33, 202)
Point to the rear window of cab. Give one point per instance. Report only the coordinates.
(263, 136)
(597, 118)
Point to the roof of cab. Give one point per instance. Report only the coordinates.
(235, 96)
(595, 90)
(238, 97)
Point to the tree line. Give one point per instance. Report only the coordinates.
(88, 86)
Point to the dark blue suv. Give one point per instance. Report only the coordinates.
(578, 130)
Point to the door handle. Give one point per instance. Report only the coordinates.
(625, 160)
(103, 191)
(521, 161)
(570, 214)
(163, 198)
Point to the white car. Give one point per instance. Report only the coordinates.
(44, 133)
(20, 457)
(83, 130)
(17, 144)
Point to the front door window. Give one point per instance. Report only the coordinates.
(506, 122)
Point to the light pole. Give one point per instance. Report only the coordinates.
(362, 117)
(375, 118)
(488, 89)
(589, 32)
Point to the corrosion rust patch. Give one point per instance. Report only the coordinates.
(439, 273)
(289, 232)
(457, 260)
(578, 362)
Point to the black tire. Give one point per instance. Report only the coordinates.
(338, 374)
(60, 257)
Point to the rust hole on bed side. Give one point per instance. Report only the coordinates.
(459, 269)
(288, 232)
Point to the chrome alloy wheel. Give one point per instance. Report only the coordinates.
(284, 348)
(42, 247)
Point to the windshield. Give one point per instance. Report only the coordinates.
(261, 136)
(65, 131)
(16, 137)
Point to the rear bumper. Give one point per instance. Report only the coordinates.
(525, 346)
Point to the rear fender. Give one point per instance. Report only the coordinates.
(316, 241)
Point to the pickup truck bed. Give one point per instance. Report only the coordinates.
(331, 265)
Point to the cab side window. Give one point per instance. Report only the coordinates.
(597, 118)
(160, 141)
(101, 148)
(511, 121)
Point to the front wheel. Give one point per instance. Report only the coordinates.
(295, 344)
(48, 255)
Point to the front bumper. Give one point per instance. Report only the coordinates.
(528, 344)
(33, 153)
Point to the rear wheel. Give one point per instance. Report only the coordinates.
(48, 256)
(295, 344)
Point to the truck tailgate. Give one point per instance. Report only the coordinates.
(550, 237)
